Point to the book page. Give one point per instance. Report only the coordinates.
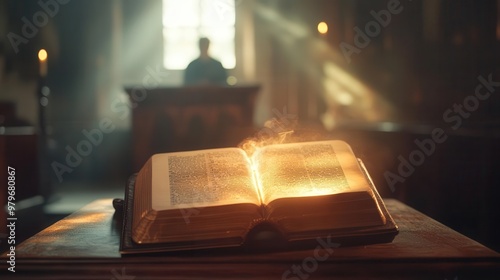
(307, 169)
(202, 178)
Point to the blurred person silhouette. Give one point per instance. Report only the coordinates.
(205, 70)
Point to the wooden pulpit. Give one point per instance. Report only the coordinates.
(168, 119)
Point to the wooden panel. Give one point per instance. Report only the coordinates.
(187, 118)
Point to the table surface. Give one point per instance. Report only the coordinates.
(85, 245)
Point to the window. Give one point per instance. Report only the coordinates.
(185, 21)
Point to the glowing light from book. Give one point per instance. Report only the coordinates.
(249, 146)
(316, 191)
(322, 27)
(42, 57)
(263, 139)
(275, 131)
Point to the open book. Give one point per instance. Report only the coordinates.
(215, 198)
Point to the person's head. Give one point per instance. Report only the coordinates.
(204, 43)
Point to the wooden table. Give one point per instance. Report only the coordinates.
(85, 246)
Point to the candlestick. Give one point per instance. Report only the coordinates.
(42, 57)
(43, 101)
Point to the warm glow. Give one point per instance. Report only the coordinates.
(67, 225)
(345, 95)
(249, 146)
(326, 190)
(299, 170)
(343, 91)
(42, 55)
(90, 218)
(323, 27)
(275, 131)
(269, 135)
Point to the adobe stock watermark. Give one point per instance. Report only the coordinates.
(30, 28)
(223, 8)
(283, 123)
(94, 137)
(453, 116)
(373, 28)
(310, 264)
(121, 275)
(190, 210)
(275, 131)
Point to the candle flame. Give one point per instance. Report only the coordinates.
(42, 55)
(323, 27)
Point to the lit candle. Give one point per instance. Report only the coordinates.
(42, 57)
